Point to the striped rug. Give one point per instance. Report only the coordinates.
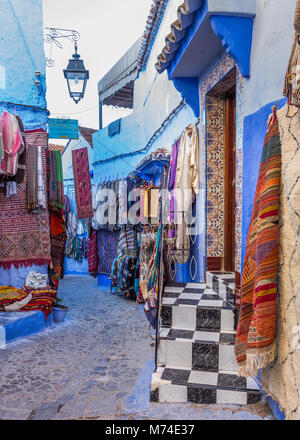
(255, 343)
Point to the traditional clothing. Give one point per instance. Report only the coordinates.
(12, 144)
(172, 178)
(186, 186)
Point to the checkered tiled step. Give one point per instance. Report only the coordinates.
(190, 385)
(195, 307)
(223, 284)
(198, 350)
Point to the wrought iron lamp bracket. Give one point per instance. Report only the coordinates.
(53, 36)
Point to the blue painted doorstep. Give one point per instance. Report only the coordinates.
(15, 325)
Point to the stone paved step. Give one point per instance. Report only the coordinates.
(204, 350)
(190, 385)
(223, 284)
(193, 308)
(17, 325)
(190, 317)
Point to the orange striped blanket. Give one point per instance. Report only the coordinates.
(255, 345)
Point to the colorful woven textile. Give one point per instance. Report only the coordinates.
(32, 177)
(82, 180)
(12, 299)
(150, 307)
(19, 177)
(9, 294)
(57, 223)
(58, 243)
(58, 237)
(151, 304)
(1, 146)
(56, 187)
(41, 193)
(281, 380)
(12, 143)
(24, 236)
(93, 255)
(42, 300)
(255, 344)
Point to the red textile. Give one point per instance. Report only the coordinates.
(82, 181)
(42, 300)
(57, 223)
(93, 255)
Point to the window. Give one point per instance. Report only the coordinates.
(2, 78)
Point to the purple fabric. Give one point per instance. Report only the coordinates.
(173, 165)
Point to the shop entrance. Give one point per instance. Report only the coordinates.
(229, 180)
(220, 163)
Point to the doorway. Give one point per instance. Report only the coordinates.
(220, 165)
(229, 180)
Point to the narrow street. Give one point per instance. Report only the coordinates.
(96, 365)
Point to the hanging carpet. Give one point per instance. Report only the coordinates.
(282, 379)
(56, 187)
(82, 181)
(255, 345)
(93, 255)
(24, 236)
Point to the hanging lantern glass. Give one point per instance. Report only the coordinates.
(76, 76)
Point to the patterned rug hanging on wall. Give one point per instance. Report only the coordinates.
(255, 345)
(82, 181)
(24, 236)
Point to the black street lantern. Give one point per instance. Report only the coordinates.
(76, 76)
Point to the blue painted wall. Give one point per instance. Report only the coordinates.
(73, 267)
(21, 55)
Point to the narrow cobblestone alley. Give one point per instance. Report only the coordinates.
(98, 364)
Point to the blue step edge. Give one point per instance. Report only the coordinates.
(274, 406)
(16, 325)
(278, 414)
(104, 280)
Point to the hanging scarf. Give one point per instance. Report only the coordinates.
(32, 178)
(12, 144)
(58, 237)
(56, 189)
(60, 182)
(21, 157)
(255, 345)
(172, 177)
(82, 182)
(1, 146)
(93, 255)
(151, 305)
(53, 178)
(41, 194)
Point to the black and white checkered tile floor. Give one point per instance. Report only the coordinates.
(223, 284)
(196, 360)
(203, 387)
(195, 307)
(193, 296)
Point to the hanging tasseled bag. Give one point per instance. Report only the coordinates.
(292, 78)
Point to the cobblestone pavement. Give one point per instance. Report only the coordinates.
(96, 365)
